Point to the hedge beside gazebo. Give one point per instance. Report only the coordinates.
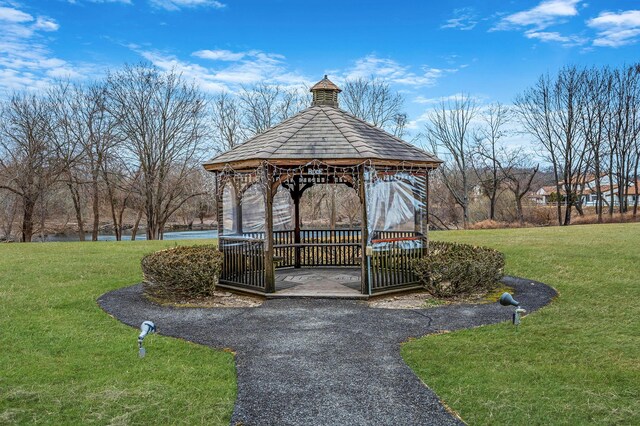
(321, 145)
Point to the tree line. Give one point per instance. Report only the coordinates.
(127, 149)
(134, 142)
(583, 122)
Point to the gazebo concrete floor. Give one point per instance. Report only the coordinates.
(329, 282)
(321, 361)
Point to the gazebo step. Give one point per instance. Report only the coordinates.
(315, 295)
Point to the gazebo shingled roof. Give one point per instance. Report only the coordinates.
(325, 133)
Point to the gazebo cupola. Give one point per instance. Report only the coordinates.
(325, 92)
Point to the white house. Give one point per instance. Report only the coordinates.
(589, 195)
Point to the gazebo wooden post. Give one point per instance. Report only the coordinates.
(219, 207)
(269, 267)
(296, 195)
(364, 232)
(425, 215)
(238, 207)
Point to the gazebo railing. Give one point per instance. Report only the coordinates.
(390, 262)
(243, 263)
(323, 247)
(317, 247)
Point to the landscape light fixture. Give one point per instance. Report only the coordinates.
(507, 300)
(146, 328)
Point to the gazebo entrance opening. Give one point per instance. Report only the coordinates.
(254, 205)
(259, 185)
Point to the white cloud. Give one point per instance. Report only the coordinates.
(432, 101)
(46, 24)
(202, 76)
(219, 55)
(545, 14)
(464, 19)
(533, 22)
(100, 1)
(616, 29)
(228, 74)
(9, 14)
(174, 5)
(25, 60)
(553, 36)
(393, 72)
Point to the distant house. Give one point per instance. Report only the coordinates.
(630, 194)
(476, 192)
(589, 193)
(542, 196)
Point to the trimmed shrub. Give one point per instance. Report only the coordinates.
(182, 272)
(456, 270)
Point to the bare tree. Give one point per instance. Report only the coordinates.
(228, 127)
(400, 124)
(28, 160)
(518, 174)
(488, 149)
(69, 150)
(292, 101)
(623, 130)
(535, 111)
(551, 112)
(260, 106)
(9, 209)
(87, 138)
(448, 132)
(265, 105)
(594, 116)
(372, 100)
(162, 120)
(96, 131)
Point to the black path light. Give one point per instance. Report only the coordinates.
(146, 328)
(507, 300)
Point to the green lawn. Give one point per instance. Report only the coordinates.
(574, 362)
(64, 361)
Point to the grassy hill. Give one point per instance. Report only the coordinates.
(64, 361)
(577, 361)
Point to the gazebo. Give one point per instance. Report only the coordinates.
(259, 185)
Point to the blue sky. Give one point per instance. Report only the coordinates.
(428, 50)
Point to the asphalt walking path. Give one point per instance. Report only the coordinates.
(320, 361)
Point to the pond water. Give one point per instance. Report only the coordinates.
(170, 235)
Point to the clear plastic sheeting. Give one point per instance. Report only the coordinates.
(253, 214)
(229, 211)
(283, 211)
(250, 211)
(395, 203)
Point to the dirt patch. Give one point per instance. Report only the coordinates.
(415, 300)
(423, 300)
(220, 299)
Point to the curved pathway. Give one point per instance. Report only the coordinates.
(319, 361)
